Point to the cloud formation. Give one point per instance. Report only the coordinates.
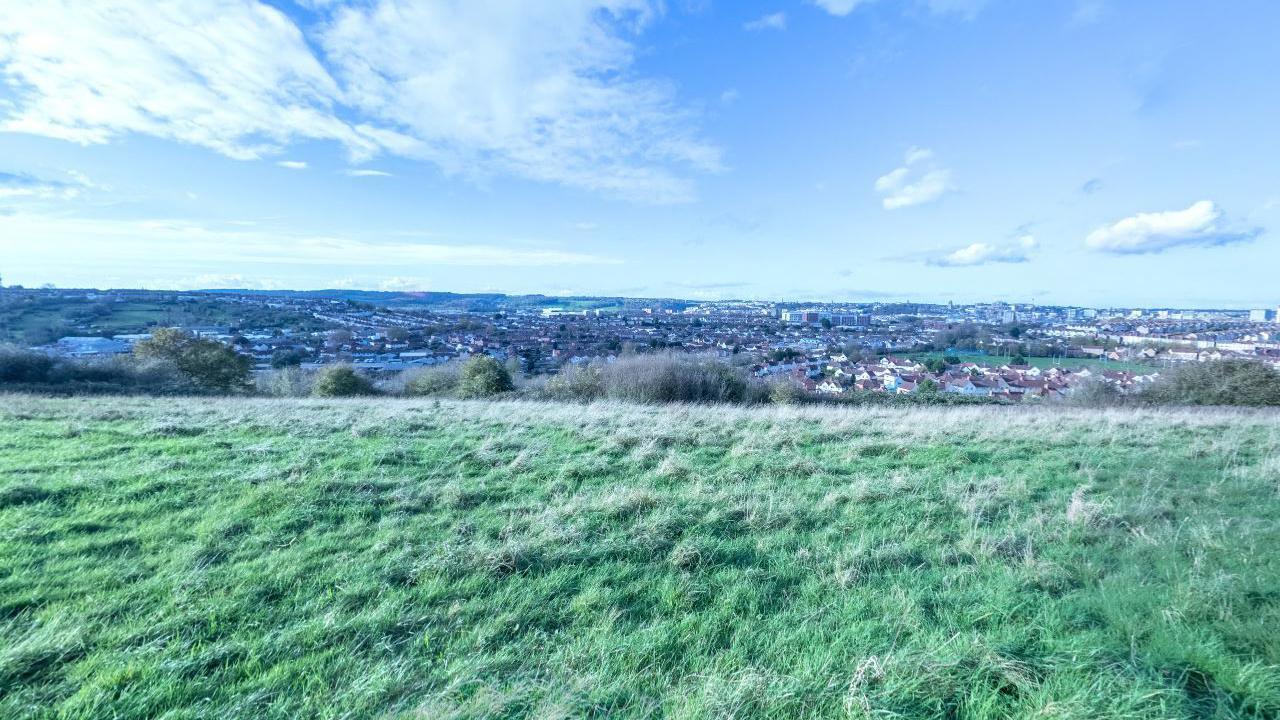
(1018, 251)
(967, 8)
(1200, 225)
(774, 21)
(24, 186)
(918, 181)
(117, 243)
(543, 91)
(840, 7)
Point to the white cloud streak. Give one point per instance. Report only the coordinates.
(917, 182)
(543, 91)
(36, 239)
(966, 8)
(1200, 225)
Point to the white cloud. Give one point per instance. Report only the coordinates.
(541, 90)
(967, 8)
(1018, 251)
(917, 182)
(215, 281)
(234, 76)
(774, 21)
(22, 186)
(119, 247)
(293, 164)
(1200, 225)
(364, 172)
(403, 284)
(730, 96)
(840, 7)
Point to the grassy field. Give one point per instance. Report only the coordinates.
(39, 323)
(352, 559)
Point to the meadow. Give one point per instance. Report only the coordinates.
(269, 558)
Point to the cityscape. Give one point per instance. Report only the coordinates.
(1001, 350)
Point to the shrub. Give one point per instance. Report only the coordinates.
(658, 379)
(23, 366)
(482, 376)
(432, 381)
(582, 383)
(289, 381)
(784, 391)
(31, 371)
(341, 381)
(671, 378)
(1219, 382)
(1097, 393)
(211, 365)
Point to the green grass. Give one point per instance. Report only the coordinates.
(1041, 362)
(349, 559)
(47, 320)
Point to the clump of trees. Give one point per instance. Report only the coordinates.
(20, 367)
(23, 370)
(1220, 382)
(210, 365)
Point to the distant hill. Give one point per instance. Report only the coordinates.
(444, 301)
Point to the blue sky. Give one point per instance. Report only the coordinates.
(1089, 152)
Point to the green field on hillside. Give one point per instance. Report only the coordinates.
(32, 323)
(187, 558)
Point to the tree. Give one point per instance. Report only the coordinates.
(341, 381)
(927, 387)
(826, 323)
(208, 363)
(532, 356)
(1018, 360)
(340, 337)
(283, 358)
(936, 365)
(482, 376)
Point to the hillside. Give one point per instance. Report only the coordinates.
(276, 559)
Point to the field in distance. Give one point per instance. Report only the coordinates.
(277, 559)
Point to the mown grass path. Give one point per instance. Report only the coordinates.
(280, 559)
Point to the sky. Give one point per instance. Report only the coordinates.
(1077, 152)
